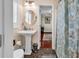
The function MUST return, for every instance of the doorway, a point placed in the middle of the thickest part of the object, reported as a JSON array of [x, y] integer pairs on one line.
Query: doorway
[[46, 26]]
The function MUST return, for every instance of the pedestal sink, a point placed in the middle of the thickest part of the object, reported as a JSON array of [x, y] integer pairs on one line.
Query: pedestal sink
[[28, 40]]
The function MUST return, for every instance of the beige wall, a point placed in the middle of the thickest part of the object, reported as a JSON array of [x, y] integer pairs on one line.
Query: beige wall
[[20, 13]]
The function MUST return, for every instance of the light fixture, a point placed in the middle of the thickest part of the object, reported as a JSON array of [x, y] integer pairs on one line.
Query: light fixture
[[26, 3], [33, 3], [29, 3]]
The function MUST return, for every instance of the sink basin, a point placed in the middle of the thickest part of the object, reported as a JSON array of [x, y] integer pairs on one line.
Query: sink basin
[[27, 32]]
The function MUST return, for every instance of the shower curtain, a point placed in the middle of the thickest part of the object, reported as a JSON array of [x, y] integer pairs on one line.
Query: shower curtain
[[67, 39]]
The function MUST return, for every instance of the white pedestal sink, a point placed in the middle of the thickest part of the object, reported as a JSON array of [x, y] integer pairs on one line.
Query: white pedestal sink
[[28, 40]]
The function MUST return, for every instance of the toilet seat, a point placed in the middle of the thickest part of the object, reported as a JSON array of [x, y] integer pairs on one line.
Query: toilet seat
[[19, 53]]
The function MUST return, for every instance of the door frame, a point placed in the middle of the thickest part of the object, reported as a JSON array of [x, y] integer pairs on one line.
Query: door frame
[[53, 23], [41, 20]]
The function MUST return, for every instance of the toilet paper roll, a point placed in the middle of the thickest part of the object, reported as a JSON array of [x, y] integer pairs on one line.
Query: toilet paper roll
[[18, 43]]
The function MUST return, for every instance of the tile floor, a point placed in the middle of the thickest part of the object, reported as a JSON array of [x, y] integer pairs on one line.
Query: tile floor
[[42, 53]]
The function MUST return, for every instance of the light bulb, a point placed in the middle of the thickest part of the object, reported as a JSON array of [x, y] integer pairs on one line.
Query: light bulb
[[33, 3], [26, 3]]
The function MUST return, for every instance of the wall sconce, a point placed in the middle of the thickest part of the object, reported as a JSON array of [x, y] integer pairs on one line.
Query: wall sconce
[[29, 3]]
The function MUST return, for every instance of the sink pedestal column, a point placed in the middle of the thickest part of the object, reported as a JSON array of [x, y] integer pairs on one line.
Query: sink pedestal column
[[28, 40], [28, 44]]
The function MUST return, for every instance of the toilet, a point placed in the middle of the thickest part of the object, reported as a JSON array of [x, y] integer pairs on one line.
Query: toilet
[[19, 53]]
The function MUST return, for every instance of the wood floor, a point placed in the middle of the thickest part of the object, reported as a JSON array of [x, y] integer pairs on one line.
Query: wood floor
[[46, 40], [46, 44]]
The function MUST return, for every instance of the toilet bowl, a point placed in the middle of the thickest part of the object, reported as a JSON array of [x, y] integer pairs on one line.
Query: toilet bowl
[[19, 53]]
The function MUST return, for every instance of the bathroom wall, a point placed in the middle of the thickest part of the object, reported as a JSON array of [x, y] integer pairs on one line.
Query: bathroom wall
[[8, 29], [19, 17], [21, 14], [1, 28], [6, 50], [15, 14], [19, 41]]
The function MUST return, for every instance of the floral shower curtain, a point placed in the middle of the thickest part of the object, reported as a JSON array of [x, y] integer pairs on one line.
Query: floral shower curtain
[[67, 42]]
